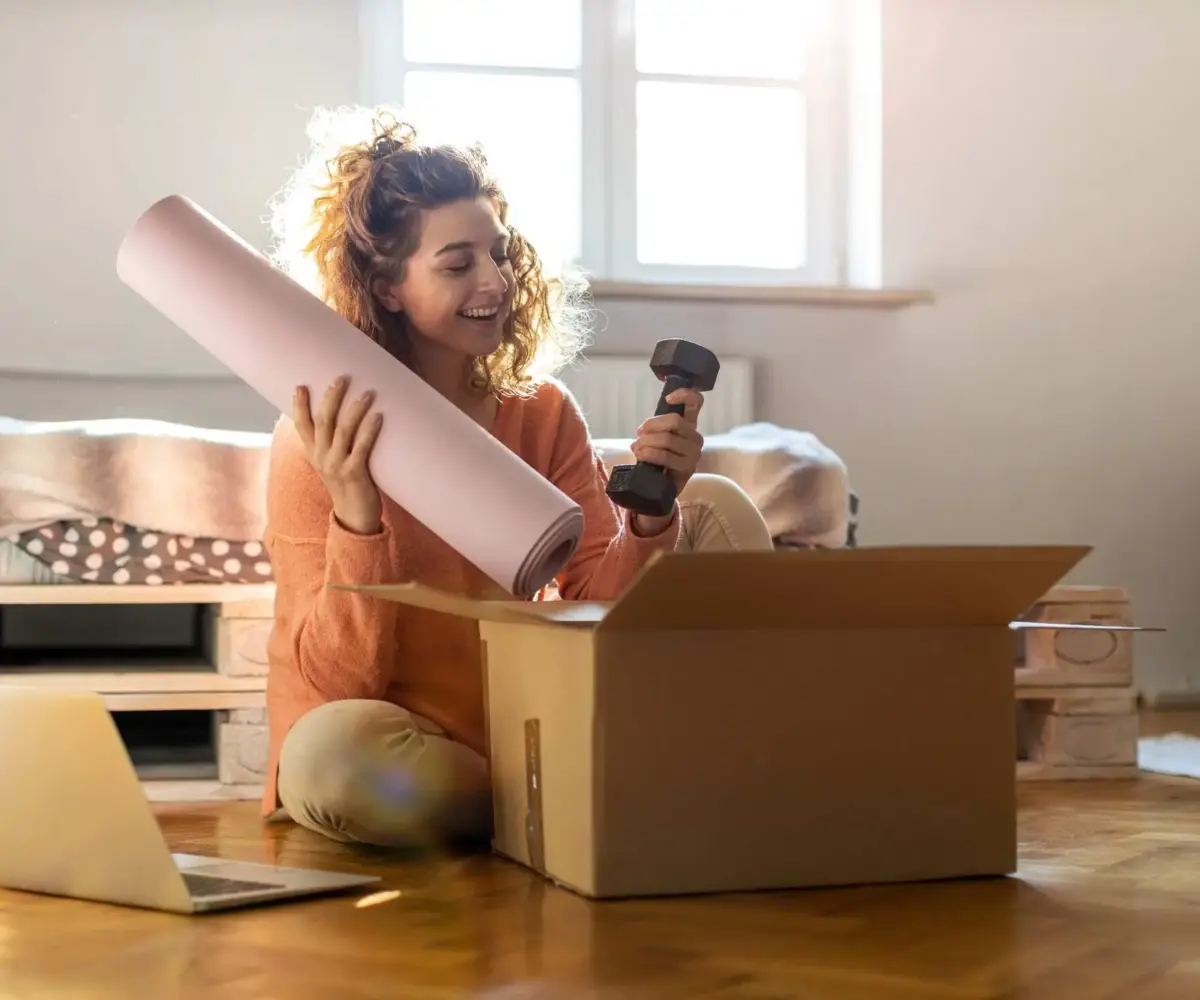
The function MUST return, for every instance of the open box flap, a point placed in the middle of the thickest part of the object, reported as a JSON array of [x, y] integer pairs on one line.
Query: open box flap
[[914, 586], [918, 586], [509, 610]]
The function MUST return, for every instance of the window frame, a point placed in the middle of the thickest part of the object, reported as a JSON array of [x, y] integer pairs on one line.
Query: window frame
[[607, 80]]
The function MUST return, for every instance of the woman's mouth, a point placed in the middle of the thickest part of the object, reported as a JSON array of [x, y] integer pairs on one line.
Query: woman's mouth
[[485, 314]]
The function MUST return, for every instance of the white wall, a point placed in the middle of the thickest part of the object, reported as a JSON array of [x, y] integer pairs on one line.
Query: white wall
[[109, 105], [1041, 172], [1040, 165]]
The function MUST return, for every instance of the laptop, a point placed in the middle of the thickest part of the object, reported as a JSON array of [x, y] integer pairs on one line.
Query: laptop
[[77, 822]]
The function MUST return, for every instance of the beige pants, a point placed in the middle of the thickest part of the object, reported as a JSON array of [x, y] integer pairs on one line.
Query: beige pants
[[370, 772]]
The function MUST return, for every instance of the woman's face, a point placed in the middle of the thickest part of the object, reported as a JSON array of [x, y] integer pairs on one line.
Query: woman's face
[[458, 284]]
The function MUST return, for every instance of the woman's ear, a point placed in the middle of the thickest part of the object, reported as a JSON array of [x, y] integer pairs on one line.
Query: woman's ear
[[386, 294]]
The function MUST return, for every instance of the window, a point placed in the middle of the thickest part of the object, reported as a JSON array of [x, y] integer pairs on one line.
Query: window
[[665, 141]]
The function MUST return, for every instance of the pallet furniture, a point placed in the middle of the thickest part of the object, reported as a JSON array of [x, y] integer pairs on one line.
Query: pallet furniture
[[182, 669], [1076, 702], [191, 698]]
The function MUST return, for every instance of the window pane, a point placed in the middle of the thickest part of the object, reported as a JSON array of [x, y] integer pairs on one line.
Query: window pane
[[535, 33], [749, 38], [720, 175], [529, 128]]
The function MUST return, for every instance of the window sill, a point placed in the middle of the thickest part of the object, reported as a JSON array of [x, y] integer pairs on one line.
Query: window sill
[[811, 295]]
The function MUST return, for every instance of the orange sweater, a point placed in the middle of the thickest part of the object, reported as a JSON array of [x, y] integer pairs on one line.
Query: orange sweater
[[328, 645]]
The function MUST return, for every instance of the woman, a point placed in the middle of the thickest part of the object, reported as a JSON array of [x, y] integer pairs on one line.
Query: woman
[[376, 709]]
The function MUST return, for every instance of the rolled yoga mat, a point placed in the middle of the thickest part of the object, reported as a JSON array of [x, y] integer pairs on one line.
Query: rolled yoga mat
[[433, 460]]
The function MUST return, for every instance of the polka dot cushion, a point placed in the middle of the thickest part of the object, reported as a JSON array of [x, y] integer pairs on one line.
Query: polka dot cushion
[[97, 550]]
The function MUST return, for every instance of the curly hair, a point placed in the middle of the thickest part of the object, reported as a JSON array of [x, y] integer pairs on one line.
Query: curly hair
[[351, 215]]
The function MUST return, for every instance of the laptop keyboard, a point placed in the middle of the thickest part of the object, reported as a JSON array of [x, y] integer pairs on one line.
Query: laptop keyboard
[[211, 885]]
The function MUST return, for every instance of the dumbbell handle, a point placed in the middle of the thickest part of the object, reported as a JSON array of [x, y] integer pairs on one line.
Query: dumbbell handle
[[670, 384]]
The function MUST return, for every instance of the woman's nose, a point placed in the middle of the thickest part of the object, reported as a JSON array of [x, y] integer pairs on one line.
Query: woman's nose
[[493, 278]]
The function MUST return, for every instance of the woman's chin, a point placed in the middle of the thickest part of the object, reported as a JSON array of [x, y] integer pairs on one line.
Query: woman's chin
[[485, 340]]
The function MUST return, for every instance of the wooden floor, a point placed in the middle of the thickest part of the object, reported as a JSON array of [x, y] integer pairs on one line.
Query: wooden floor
[[1106, 905]]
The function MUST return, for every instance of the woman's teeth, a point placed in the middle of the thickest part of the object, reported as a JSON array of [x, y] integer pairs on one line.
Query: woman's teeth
[[481, 313]]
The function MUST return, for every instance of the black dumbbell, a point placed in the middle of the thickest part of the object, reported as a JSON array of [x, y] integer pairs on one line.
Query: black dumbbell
[[649, 489]]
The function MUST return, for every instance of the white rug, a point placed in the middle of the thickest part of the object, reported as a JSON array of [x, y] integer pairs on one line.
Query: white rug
[[1174, 753]]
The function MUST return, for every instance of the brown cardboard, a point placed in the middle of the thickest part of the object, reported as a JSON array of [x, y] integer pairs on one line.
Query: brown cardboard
[[741, 721]]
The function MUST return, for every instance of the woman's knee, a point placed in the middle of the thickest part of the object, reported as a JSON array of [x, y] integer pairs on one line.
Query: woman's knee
[[715, 490], [719, 515], [364, 771], [331, 758]]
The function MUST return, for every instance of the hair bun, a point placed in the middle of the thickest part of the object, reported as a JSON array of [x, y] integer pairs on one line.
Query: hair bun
[[391, 136]]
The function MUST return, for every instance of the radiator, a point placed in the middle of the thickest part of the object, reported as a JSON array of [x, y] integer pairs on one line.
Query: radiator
[[616, 393]]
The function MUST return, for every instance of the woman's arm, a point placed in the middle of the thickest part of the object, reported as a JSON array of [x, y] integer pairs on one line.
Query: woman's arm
[[615, 545], [341, 644]]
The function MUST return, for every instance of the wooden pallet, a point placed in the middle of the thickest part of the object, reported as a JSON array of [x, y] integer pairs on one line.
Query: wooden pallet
[[1072, 734], [1076, 705], [226, 676], [1076, 702]]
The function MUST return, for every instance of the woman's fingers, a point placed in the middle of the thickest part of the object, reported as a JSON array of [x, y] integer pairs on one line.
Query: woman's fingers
[[667, 459], [672, 423], [672, 432], [672, 440], [677, 452], [691, 400], [364, 441], [348, 423], [327, 414], [677, 444], [302, 415], [338, 435]]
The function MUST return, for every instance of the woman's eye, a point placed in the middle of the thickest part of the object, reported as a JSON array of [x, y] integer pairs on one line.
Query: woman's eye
[[458, 268]]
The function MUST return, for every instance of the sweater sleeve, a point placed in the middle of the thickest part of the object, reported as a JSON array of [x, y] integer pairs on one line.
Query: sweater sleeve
[[341, 644], [610, 554]]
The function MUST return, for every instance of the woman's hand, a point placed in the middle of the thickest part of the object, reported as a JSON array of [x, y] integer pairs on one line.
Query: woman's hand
[[673, 442], [338, 443]]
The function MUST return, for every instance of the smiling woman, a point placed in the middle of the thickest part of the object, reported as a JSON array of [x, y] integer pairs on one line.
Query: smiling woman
[[375, 710]]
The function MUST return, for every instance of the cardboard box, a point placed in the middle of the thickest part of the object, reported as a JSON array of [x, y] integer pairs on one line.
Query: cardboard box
[[740, 721]]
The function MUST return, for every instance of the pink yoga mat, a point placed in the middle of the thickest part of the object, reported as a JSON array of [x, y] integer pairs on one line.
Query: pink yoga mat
[[431, 459]]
